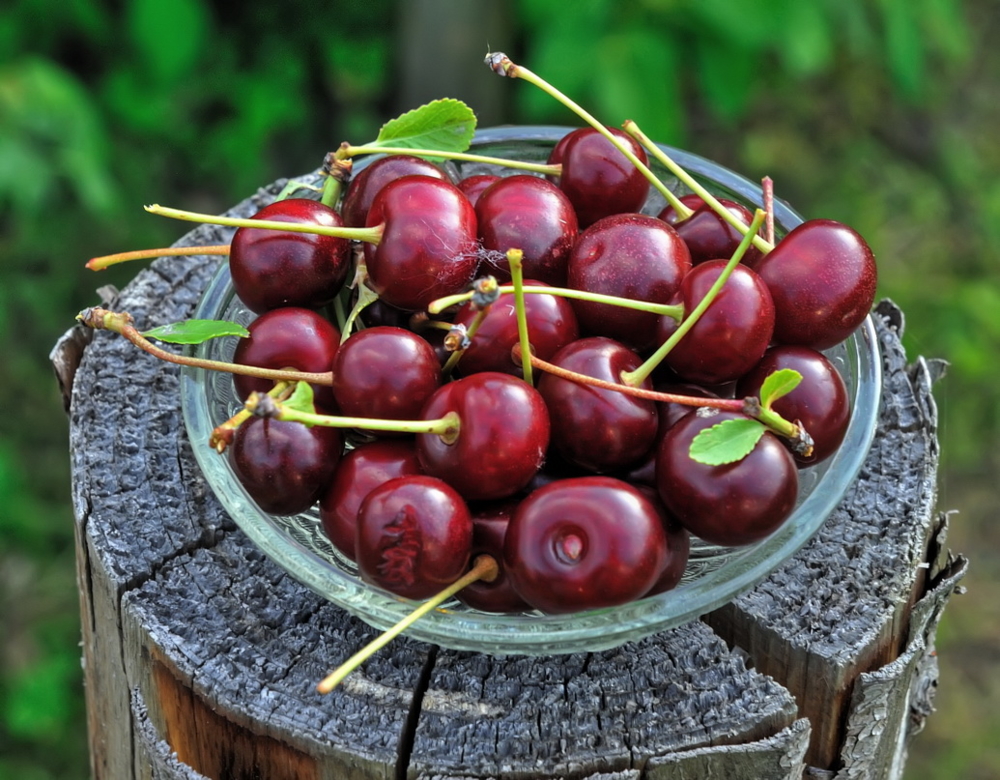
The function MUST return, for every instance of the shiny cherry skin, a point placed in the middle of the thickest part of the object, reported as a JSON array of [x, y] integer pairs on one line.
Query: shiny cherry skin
[[284, 466], [414, 536], [473, 186], [489, 529], [603, 431], [385, 373], [501, 443], [631, 256], [367, 183], [533, 215], [731, 335], [551, 326], [273, 268], [819, 403], [678, 546], [709, 236], [733, 504], [822, 277], [290, 337], [584, 543], [597, 178], [428, 247], [360, 471]]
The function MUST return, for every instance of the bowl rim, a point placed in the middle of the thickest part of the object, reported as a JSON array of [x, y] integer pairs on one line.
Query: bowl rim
[[583, 631]]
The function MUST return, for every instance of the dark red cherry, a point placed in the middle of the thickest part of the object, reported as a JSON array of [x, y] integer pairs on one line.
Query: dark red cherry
[[819, 402], [289, 337], [428, 248], [473, 186], [501, 443], [533, 215], [731, 335], [584, 543], [366, 185], [678, 552], [489, 529], [600, 430], [414, 536], [733, 504], [551, 326], [272, 268], [360, 471], [822, 277], [631, 256], [708, 235], [597, 178], [385, 373], [284, 466]]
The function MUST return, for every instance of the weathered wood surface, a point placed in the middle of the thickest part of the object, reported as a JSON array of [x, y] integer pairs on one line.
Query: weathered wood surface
[[201, 655]]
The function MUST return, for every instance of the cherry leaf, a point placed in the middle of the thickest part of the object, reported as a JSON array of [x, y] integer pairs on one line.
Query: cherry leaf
[[778, 384], [196, 331], [446, 125], [301, 399], [726, 442]]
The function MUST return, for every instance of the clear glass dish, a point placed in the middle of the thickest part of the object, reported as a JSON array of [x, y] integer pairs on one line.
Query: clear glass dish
[[715, 575]]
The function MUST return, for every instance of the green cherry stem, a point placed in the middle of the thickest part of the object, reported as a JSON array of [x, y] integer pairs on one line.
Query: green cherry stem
[[371, 235], [222, 435], [523, 165], [262, 405], [640, 374], [106, 261], [670, 310], [633, 130], [121, 323], [337, 172], [485, 568], [502, 65], [485, 291], [514, 260]]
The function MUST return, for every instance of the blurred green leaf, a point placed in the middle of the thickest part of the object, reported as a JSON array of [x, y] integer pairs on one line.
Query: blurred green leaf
[[169, 36]]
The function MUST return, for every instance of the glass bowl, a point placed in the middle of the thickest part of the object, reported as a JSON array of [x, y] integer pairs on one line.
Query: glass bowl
[[714, 576]]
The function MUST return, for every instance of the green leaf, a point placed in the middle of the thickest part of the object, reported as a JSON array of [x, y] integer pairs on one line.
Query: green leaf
[[196, 331], [170, 37], [301, 399], [447, 125], [726, 442], [778, 384]]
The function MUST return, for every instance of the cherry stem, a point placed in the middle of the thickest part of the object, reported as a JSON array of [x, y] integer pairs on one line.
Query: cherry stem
[[262, 405], [640, 374], [671, 310], [464, 339], [501, 64], [767, 185], [523, 165], [372, 235], [121, 323], [485, 568], [633, 130], [337, 172], [222, 435], [106, 261], [514, 260]]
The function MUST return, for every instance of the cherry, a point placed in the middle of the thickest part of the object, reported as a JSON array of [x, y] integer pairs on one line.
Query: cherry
[[551, 326], [489, 529], [678, 552], [385, 373], [359, 472], [428, 248], [733, 504], [473, 186], [709, 236], [284, 466], [414, 536], [533, 215], [271, 268], [600, 430], [819, 403], [584, 543], [630, 256], [596, 177], [366, 185], [502, 437], [731, 335], [822, 278], [289, 337]]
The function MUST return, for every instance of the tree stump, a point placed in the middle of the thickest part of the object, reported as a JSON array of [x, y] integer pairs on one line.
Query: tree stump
[[201, 656]]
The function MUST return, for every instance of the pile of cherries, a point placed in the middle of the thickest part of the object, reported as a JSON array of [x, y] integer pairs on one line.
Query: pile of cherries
[[584, 495]]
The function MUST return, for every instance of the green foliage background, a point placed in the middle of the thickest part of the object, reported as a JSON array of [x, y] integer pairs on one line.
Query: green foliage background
[[880, 113]]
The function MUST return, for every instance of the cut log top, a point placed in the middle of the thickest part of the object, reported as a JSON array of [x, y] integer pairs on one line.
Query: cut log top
[[202, 655]]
